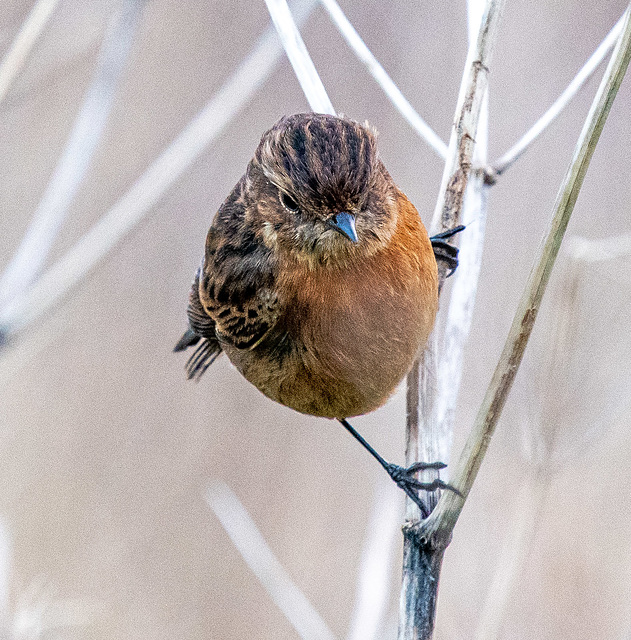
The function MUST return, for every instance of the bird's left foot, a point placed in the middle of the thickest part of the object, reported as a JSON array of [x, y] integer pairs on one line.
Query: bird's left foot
[[404, 478], [445, 251]]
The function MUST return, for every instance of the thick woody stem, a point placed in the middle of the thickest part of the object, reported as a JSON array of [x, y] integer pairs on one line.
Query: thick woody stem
[[422, 559]]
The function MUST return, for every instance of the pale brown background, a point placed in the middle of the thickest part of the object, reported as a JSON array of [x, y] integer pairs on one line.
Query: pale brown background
[[106, 449]]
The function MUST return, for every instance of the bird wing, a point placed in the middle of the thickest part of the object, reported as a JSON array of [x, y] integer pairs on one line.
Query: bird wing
[[237, 288], [232, 299]]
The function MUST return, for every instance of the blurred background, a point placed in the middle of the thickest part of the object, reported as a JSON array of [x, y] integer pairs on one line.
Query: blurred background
[[107, 451]]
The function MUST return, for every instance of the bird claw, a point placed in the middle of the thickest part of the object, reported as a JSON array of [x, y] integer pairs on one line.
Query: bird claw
[[404, 479], [445, 251]]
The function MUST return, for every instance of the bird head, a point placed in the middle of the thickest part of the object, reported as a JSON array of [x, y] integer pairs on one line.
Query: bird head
[[318, 191]]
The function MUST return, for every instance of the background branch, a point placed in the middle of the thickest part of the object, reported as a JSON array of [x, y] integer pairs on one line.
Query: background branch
[[586, 71], [24, 42], [422, 563], [355, 42], [299, 57], [260, 559], [72, 268], [75, 159]]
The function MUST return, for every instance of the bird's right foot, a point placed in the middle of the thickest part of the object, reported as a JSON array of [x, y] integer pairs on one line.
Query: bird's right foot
[[404, 478]]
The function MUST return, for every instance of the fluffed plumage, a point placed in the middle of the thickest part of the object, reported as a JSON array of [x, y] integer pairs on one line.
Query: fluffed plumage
[[319, 281]]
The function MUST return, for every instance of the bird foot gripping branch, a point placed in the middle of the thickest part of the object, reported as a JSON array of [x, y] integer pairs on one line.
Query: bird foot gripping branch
[[445, 251], [404, 476]]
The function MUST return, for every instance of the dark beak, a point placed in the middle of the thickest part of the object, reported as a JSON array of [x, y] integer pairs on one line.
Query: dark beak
[[344, 223]]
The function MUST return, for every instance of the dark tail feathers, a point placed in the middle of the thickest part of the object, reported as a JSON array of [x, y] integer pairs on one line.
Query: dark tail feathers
[[205, 354]]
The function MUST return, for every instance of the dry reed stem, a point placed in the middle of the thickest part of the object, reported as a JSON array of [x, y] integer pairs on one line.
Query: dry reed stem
[[422, 562]]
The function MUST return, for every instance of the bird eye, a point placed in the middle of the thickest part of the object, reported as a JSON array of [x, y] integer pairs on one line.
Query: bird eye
[[288, 202]]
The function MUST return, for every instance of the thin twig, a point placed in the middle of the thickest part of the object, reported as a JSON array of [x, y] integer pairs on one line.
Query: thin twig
[[113, 227], [74, 161], [23, 43], [472, 91], [263, 563], [438, 527], [375, 69], [507, 160], [465, 280], [299, 57]]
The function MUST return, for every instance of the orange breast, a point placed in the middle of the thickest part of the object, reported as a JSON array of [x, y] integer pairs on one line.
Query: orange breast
[[361, 327]]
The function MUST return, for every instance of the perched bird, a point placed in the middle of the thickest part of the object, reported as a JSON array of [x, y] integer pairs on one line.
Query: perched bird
[[319, 281]]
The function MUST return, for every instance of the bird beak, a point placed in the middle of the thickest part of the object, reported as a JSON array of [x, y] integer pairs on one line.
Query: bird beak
[[344, 223]]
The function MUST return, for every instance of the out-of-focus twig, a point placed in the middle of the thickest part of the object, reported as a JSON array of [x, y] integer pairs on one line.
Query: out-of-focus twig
[[513, 556], [375, 69], [90, 249], [373, 591], [74, 162], [438, 527], [600, 250], [263, 563], [299, 57], [587, 70], [39, 613], [23, 43]]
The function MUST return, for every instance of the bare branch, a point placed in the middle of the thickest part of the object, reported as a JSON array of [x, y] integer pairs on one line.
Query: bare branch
[[508, 159], [465, 285], [472, 90], [422, 562], [460, 314], [74, 161], [393, 92], [435, 437], [91, 248], [264, 565], [439, 525], [23, 43], [299, 57]]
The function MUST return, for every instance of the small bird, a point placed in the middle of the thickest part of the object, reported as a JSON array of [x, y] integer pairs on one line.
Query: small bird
[[319, 281]]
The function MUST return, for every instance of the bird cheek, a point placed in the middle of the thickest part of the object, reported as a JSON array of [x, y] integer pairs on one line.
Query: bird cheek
[[270, 237]]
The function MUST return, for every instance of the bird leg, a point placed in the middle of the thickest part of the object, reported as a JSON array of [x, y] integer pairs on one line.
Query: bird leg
[[404, 477], [445, 251]]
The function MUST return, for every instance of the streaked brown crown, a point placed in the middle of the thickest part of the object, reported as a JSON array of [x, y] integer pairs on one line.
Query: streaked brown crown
[[321, 160]]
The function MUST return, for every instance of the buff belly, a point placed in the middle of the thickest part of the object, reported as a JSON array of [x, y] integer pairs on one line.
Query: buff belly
[[331, 372]]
